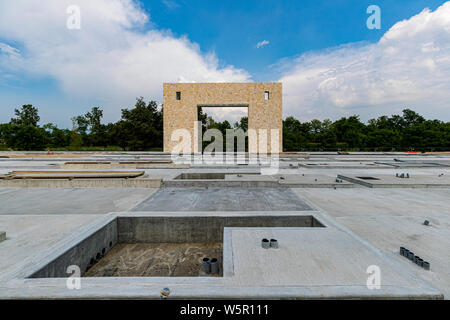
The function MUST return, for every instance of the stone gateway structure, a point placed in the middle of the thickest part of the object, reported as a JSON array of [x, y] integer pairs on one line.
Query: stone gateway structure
[[263, 100]]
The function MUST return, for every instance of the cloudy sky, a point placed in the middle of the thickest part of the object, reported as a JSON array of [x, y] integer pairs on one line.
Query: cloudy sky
[[331, 65]]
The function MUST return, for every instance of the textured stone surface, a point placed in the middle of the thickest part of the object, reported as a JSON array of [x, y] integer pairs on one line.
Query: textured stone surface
[[262, 113]]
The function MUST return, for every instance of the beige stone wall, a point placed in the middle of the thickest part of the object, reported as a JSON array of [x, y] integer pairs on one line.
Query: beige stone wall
[[262, 113]]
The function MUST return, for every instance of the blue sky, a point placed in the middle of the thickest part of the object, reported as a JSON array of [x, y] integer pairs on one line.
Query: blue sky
[[322, 51], [233, 28]]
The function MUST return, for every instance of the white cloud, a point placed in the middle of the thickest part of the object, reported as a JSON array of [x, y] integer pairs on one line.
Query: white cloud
[[408, 67], [231, 114], [170, 4], [7, 49], [111, 58], [262, 43]]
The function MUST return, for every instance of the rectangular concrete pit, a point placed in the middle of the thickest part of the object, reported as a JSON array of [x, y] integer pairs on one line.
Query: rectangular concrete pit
[[181, 233]]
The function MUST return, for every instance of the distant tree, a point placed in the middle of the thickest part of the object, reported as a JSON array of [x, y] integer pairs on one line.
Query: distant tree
[[203, 118], [27, 116], [412, 118], [350, 131], [140, 127], [57, 137], [76, 140], [242, 124]]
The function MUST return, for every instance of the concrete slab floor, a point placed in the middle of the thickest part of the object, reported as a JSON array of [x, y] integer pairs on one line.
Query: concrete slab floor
[[308, 257], [379, 202], [391, 218], [70, 201], [228, 199], [431, 243]]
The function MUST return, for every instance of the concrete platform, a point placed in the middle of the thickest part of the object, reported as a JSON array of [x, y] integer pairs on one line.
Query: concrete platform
[[391, 181], [81, 183], [391, 218], [228, 199], [431, 243], [122, 165], [344, 165], [411, 202], [288, 179], [414, 164], [33, 237], [69, 201]]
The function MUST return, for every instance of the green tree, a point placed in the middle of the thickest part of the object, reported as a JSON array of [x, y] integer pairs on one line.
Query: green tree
[[140, 127], [27, 116]]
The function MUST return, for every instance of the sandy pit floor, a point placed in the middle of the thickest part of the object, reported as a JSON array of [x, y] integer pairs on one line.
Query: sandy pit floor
[[156, 260]]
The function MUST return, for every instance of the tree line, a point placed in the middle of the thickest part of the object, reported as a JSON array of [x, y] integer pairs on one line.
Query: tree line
[[407, 132], [141, 128]]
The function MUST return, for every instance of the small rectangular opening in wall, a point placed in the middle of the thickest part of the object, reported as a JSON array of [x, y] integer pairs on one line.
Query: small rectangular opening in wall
[[178, 95], [267, 95]]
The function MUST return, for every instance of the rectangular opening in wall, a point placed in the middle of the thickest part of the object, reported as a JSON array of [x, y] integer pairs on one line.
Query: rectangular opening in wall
[[267, 95], [223, 117], [178, 95]]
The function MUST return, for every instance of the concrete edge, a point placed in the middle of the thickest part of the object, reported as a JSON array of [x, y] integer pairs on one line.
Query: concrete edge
[[227, 253], [149, 288]]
